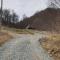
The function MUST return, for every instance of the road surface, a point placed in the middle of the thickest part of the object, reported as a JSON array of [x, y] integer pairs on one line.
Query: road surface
[[24, 47]]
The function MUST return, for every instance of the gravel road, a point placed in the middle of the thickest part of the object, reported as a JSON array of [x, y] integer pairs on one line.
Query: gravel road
[[24, 47]]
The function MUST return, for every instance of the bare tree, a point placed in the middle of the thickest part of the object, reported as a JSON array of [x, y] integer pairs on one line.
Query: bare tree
[[54, 3], [14, 17], [6, 14]]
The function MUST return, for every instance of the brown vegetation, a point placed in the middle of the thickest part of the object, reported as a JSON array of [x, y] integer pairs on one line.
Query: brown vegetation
[[46, 20], [4, 37], [52, 45]]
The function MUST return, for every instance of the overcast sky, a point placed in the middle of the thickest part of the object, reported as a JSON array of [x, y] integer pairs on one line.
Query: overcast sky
[[28, 7]]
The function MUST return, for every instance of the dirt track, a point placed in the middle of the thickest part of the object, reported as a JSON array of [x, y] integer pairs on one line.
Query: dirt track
[[24, 47]]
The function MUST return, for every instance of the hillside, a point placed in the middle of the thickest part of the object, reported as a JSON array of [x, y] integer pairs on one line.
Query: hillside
[[46, 20]]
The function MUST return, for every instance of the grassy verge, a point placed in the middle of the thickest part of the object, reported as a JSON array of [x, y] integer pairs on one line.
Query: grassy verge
[[19, 31], [7, 33], [4, 37], [52, 44], [24, 31]]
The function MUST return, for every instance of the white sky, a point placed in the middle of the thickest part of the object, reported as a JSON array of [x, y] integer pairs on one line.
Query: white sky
[[28, 7]]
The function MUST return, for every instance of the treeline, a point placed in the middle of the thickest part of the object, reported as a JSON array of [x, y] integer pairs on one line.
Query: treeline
[[11, 19], [46, 20]]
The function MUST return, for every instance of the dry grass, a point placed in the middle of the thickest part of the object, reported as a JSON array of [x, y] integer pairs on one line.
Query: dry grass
[[24, 31], [19, 31], [52, 44], [4, 37], [7, 33]]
